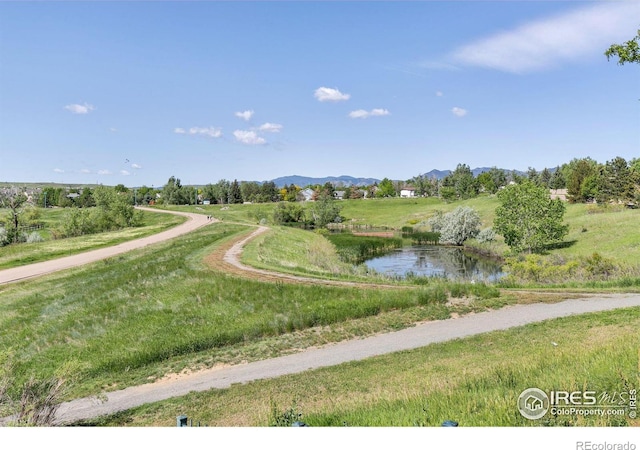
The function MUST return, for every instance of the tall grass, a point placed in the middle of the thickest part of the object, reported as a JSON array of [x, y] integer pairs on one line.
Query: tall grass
[[123, 317], [475, 381], [356, 249], [26, 253]]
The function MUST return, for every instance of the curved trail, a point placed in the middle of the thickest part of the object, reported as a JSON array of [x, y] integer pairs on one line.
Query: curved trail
[[333, 354], [227, 258], [42, 268]]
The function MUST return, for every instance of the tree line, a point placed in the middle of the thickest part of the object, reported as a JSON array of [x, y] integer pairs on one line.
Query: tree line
[[585, 180]]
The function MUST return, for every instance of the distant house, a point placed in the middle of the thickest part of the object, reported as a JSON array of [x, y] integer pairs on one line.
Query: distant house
[[307, 194], [558, 193], [339, 195], [408, 192]]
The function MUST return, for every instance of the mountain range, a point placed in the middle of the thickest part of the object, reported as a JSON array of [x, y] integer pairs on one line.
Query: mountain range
[[346, 180]]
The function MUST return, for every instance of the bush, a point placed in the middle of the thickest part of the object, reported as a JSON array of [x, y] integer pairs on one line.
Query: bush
[[34, 237], [459, 225], [485, 236]]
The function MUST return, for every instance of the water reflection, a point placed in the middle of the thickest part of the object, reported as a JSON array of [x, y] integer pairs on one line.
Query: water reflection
[[435, 261]]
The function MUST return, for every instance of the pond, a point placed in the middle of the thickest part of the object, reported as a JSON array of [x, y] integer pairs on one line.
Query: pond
[[436, 261]]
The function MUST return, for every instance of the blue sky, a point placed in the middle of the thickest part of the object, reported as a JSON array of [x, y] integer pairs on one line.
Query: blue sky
[[135, 92]]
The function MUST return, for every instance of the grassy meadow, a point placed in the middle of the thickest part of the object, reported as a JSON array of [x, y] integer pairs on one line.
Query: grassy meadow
[[21, 254], [612, 232], [475, 381], [137, 317]]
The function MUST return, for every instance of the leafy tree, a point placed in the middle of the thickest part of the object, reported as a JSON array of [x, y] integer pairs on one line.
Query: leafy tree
[[173, 192], [459, 225], [14, 201], [629, 52], [462, 181], [386, 188], [86, 199], [287, 212], [269, 192], [577, 171], [250, 191], [424, 186], [324, 211], [50, 195], [528, 219]]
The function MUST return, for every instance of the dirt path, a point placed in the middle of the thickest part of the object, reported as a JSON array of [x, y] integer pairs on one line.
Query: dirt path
[[333, 354], [35, 270], [226, 258]]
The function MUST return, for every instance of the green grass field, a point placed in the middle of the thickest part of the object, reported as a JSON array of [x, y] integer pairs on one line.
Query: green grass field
[[160, 309], [475, 381], [134, 318], [21, 254]]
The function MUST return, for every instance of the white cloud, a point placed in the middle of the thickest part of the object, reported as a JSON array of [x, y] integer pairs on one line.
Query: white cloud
[[439, 94], [113, 130], [125, 172], [543, 44], [76, 108], [104, 172], [363, 114], [270, 127], [325, 94], [200, 131], [249, 137], [209, 132], [245, 115], [136, 166], [56, 170], [85, 171], [459, 112]]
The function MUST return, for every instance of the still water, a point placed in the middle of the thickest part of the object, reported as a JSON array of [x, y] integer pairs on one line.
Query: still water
[[435, 261]]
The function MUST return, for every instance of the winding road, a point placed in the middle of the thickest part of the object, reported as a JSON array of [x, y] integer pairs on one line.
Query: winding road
[[333, 354]]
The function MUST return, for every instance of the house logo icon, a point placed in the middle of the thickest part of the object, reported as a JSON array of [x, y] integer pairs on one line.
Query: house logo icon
[[533, 403]]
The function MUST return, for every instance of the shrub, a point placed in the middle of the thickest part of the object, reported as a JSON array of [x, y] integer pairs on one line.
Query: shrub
[[34, 237], [459, 225], [486, 235]]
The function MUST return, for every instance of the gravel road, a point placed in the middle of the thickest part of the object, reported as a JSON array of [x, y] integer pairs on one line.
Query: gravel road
[[410, 338], [35, 270]]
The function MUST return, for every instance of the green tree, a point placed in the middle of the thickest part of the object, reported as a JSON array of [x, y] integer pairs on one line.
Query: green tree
[[557, 180], [288, 212], [235, 193], [386, 189], [577, 171], [617, 181], [629, 52], [462, 181], [14, 201], [545, 177], [528, 219], [173, 192], [324, 211]]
